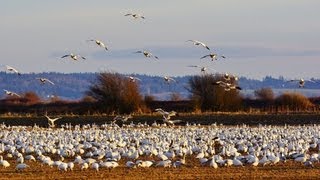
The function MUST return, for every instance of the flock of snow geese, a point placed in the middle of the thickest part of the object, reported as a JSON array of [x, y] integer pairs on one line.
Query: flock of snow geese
[[158, 145], [142, 146]]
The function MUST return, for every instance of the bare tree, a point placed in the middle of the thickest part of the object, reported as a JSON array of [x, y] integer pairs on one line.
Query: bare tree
[[207, 95], [265, 94], [116, 93]]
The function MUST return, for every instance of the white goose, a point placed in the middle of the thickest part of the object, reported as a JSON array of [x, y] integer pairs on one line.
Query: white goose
[[227, 86], [133, 79], [301, 82], [213, 56], [44, 80], [197, 43], [99, 43], [168, 79], [9, 68], [10, 93], [73, 56], [147, 54], [135, 15], [202, 68], [52, 120]]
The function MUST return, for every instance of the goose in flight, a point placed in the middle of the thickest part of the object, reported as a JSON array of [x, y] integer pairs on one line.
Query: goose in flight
[[51, 121], [168, 79], [202, 68], [99, 43], [44, 80], [133, 79], [10, 93], [227, 86], [171, 122], [74, 56], [213, 56], [167, 116], [198, 43], [147, 54], [9, 68], [135, 16], [123, 118], [228, 77], [301, 82]]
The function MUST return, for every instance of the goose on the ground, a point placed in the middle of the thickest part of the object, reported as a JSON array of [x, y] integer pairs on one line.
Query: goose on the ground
[[11, 69], [199, 43], [213, 56], [147, 54], [73, 56], [99, 43], [10, 93], [44, 80]]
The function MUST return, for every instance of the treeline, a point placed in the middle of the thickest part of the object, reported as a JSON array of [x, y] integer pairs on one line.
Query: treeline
[[73, 86], [113, 93]]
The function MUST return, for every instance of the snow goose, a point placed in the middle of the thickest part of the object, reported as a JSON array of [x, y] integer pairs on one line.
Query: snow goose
[[4, 163], [147, 54], [10, 93], [21, 167], [99, 43], [71, 165], [63, 166], [168, 79], [11, 69], [84, 166], [52, 120], [44, 80], [202, 68], [95, 166], [197, 43], [227, 86], [73, 56], [135, 15], [130, 164], [133, 79], [213, 56]]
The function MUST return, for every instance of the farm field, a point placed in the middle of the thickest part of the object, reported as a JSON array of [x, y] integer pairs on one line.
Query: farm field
[[279, 171], [218, 142]]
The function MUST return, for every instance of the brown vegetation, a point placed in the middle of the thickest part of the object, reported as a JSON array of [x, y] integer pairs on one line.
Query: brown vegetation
[[209, 97], [116, 93], [294, 101]]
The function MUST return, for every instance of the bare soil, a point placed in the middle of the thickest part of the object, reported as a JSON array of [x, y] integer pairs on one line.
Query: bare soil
[[289, 170]]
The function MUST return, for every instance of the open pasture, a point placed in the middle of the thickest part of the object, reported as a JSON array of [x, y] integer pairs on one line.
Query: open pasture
[[180, 152]]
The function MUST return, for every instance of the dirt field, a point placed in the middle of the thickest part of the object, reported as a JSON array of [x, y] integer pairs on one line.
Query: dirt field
[[192, 170], [289, 170]]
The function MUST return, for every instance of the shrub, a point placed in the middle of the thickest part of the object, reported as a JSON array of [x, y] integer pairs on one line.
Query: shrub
[[264, 94], [295, 101], [209, 97], [116, 93]]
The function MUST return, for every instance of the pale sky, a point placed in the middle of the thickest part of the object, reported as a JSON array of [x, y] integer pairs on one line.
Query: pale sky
[[259, 38]]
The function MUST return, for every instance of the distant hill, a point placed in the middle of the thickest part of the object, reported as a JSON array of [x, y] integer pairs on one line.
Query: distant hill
[[74, 85]]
